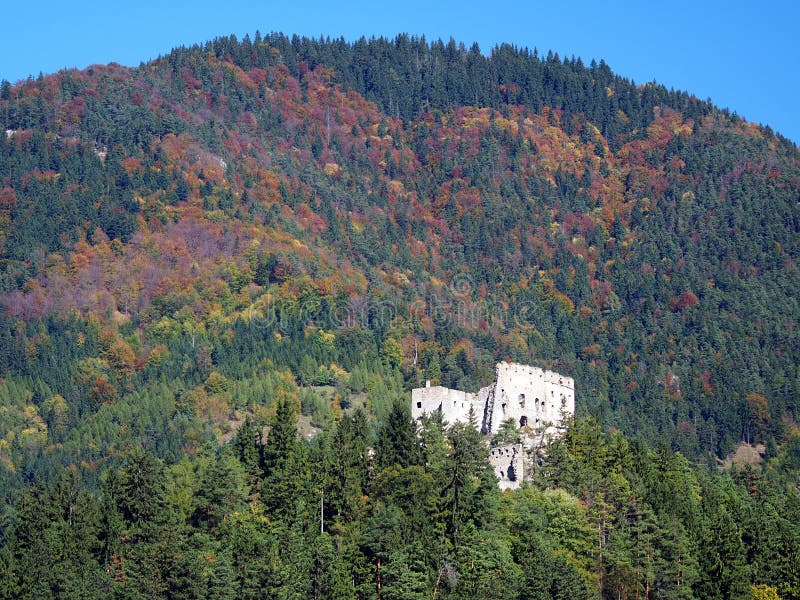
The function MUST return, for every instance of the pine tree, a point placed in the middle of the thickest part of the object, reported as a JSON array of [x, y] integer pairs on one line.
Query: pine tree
[[140, 493], [397, 443], [222, 490], [249, 449], [221, 583], [329, 578], [722, 557], [285, 463], [471, 486]]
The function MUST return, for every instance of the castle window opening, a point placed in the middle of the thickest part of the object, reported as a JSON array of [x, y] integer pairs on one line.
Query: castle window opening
[[503, 406], [523, 421], [419, 404]]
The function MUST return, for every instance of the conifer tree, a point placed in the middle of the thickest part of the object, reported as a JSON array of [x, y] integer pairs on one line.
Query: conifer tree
[[286, 476], [397, 443], [471, 486]]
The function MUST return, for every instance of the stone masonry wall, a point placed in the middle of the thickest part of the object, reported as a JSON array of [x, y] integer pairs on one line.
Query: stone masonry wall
[[508, 464], [537, 401], [532, 397], [453, 404]]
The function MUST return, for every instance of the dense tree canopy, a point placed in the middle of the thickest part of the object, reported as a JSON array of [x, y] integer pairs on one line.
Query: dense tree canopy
[[222, 271]]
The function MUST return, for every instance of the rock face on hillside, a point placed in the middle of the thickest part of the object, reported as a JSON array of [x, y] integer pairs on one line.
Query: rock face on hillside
[[536, 400]]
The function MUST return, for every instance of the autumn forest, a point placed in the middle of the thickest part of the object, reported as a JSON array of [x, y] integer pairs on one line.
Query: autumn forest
[[222, 271]]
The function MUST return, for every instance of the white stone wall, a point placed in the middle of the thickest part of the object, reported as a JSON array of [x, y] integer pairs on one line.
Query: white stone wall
[[454, 404], [531, 396], [508, 465], [536, 399]]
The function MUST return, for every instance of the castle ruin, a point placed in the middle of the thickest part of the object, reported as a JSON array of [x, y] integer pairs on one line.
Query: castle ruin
[[537, 401]]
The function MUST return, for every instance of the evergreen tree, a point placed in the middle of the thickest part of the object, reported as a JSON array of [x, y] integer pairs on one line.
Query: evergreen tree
[[139, 493], [249, 450], [221, 583], [222, 490], [722, 558], [286, 476], [397, 443], [471, 486], [329, 578]]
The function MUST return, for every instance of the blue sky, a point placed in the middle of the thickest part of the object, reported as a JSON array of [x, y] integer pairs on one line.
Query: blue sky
[[741, 54]]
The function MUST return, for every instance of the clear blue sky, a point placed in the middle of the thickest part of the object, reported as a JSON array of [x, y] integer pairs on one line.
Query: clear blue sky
[[743, 55]]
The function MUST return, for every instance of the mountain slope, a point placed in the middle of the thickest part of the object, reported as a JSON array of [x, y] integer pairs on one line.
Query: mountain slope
[[417, 204]]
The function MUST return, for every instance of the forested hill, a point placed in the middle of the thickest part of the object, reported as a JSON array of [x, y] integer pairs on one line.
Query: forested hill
[[408, 76], [404, 200], [291, 233]]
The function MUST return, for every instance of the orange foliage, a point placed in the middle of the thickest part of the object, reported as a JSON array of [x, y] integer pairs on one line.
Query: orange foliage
[[131, 165], [103, 391], [685, 300]]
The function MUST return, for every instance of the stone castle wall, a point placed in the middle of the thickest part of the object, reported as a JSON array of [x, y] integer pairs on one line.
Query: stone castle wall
[[536, 400], [532, 397], [453, 404], [508, 464]]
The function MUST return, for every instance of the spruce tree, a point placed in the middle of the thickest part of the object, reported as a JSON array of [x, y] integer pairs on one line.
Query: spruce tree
[[398, 443]]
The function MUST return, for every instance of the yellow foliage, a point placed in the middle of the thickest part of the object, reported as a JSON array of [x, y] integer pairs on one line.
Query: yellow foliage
[[166, 328], [120, 356], [326, 338], [338, 371], [396, 187], [213, 408], [216, 383], [764, 592], [157, 355], [7, 463], [332, 169]]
